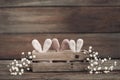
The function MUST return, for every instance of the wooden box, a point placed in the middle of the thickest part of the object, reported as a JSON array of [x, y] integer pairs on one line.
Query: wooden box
[[58, 61]]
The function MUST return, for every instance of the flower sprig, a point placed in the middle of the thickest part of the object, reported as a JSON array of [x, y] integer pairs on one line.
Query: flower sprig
[[97, 64], [17, 67]]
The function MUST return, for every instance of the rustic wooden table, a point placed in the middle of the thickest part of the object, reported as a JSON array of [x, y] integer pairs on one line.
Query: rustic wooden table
[[5, 75]]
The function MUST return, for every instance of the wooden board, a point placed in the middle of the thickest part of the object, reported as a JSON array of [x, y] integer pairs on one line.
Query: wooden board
[[52, 55], [71, 66], [66, 55], [46, 67], [21, 3], [53, 75], [11, 45], [59, 67], [59, 19]]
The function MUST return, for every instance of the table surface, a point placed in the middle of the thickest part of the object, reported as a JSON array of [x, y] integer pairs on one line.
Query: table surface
[[5, 75]]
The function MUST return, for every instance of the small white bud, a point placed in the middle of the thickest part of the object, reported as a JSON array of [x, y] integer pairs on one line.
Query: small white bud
[[84, 52], [13, 68], [109, 58], [22, 70], [88, 59], [99, 68], [28, 69], [34, 56], [16, 68], [105, 68], [105, 59], [28, 62], [12, 63], [102, 61], [29, 53], [88, 67], [22, 53], [30, 57], [20, 65], [10, 70], [91, 72], [15, 60], [94, 69], [15, 73], [95, 63], [91, 60], [90, 50], [24, 63], [91, 55], [96, 53], [96, 72], [90, 47], [23, 59], [91, 65], [106, 71], [115, 63], [96, 58], [20, 73]]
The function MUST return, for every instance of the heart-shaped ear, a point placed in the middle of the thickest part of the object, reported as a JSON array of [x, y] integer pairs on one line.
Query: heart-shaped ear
[[72, 45], [79, 45], [55, 44], [47, 45], [65, 44], [36, 45]]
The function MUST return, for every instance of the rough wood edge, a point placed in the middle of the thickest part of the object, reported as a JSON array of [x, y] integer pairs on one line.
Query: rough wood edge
[[32, 3]]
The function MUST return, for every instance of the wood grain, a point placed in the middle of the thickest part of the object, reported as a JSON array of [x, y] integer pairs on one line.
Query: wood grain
[[11, 45], [54, 75], [47, 67], [66, 55], [59, 19], [24, 3]]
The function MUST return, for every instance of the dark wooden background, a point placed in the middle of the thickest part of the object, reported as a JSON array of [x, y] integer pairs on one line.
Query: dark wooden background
[[96, 21]]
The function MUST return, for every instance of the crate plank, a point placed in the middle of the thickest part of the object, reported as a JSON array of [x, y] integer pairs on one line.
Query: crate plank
[[59, 20], [21, 3], [47, 67], [66, 55], [11, 45]]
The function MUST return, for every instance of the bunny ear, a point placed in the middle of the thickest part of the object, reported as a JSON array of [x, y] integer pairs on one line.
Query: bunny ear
[[79, 44], [36, 45], [72, 45], [65, 44], [55, 44], [47, 45]]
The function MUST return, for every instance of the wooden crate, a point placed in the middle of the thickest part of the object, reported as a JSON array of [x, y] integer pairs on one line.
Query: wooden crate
[[58, 61]]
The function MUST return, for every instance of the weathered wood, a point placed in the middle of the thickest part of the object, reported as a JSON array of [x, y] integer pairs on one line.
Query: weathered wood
[[46, 67], [59, 67], [11, 45], [66, 55], [57, 61], [52, 55], [59, 19], [5, 75], [21, 3]]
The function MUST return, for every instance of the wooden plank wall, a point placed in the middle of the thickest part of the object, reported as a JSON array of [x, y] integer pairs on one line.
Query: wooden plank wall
[[96, 21]]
